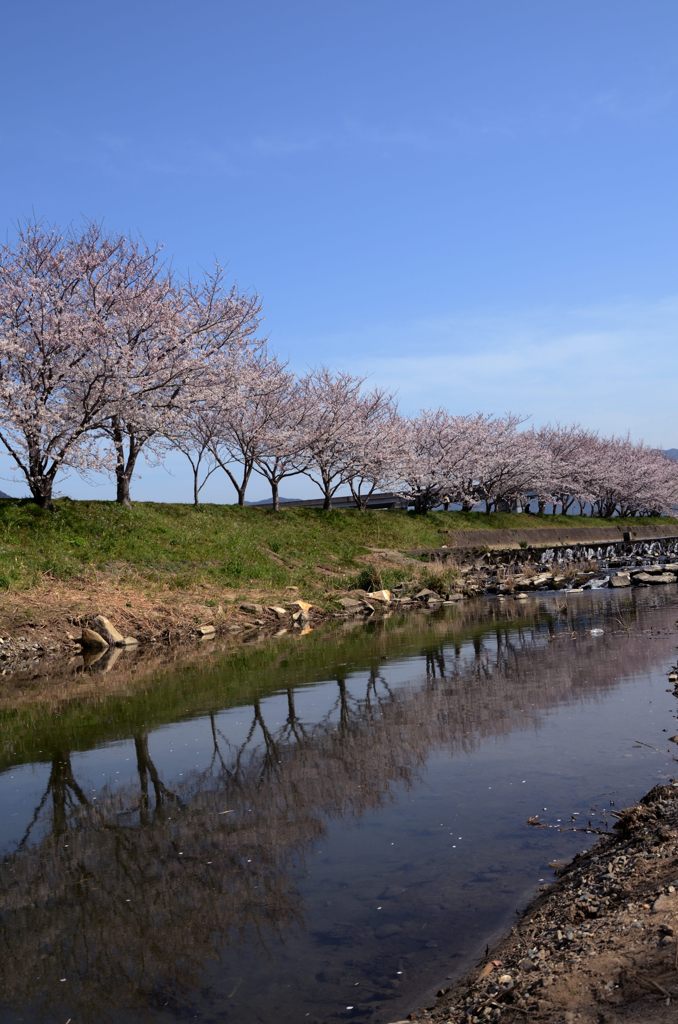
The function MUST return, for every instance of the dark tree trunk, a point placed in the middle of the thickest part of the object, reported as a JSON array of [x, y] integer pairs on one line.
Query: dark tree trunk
[[63, 788], [124, 464], [122, 489], [239, 486], [41, 483], [41, 492]]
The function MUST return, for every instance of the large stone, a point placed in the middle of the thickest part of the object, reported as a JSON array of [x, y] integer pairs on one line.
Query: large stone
[[428, 597], [206, 629], [652, 579], [382, 596], [540, 580], [92, 641], [620, 579], [664, 904], [279, 611], [350, 604], [303, 606], [657, 570], [111, 635]]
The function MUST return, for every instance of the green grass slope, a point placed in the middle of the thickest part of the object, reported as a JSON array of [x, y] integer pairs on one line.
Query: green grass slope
[[223, 545]]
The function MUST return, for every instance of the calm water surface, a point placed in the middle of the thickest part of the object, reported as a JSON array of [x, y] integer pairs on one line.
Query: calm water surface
[[326, 829]]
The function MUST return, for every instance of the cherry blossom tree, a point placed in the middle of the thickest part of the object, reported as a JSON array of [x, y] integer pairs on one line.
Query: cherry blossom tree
[[378, 447], [97, 342], [423, 470], [281, 450], [57, 299], [174, 341], [104, 353], [245, 414], [193, 435], [632, 479], [338, 423], [573, 452], [516, 466], [446, 456]]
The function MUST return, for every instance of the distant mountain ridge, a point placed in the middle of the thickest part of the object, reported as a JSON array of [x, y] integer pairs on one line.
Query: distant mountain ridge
[[3, 495], [672, 453]]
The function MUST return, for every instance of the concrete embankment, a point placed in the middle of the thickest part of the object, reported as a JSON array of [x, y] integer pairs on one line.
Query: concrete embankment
[[541, 537]]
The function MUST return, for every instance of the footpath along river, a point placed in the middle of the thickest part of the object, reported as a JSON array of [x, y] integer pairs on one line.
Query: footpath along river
[[327, 829]]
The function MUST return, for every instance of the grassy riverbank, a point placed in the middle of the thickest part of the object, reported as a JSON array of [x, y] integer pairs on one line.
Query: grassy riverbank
[[180, 547], [158, 571]]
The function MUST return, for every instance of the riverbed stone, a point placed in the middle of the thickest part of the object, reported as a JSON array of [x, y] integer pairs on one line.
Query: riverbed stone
[[540, 581], [92, 641], [206, 629], [278, 610], [107, 630], [652, 579], [351, 604], [663, 904], [382, 596], [620, 579]]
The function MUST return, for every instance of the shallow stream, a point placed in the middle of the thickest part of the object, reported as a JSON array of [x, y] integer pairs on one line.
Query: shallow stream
[[323, 829]]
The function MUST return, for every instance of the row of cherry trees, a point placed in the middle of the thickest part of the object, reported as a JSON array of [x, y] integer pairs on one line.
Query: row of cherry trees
[[105, 353]]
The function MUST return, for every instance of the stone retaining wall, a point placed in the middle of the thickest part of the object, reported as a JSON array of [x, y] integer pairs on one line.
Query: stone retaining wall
[[553, 536]]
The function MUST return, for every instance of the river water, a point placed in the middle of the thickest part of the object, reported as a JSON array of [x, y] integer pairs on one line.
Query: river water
[[321, 829]]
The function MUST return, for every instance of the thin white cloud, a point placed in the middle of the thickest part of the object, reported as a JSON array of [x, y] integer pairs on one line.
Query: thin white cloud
[[612, 368], [184, 155]]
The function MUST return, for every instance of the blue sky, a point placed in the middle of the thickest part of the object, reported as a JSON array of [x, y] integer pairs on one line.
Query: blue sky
[[472, 202]]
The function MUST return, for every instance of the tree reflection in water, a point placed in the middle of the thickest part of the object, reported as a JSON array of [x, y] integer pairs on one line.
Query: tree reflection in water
[[130, 893]]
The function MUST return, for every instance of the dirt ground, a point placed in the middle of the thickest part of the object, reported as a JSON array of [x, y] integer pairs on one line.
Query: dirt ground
[[42, 625], [599, 947]]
